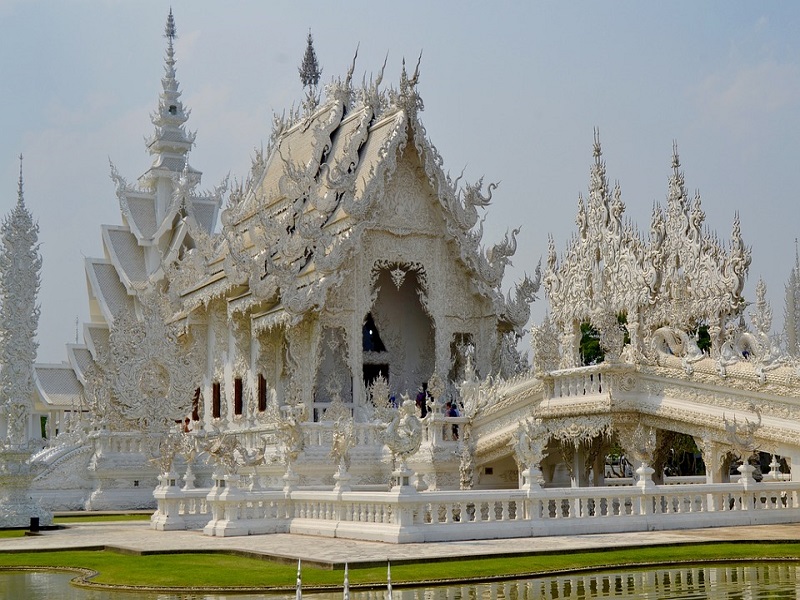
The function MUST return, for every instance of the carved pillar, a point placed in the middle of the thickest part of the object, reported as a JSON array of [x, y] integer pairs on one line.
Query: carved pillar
[[793, 460], [715, 332], [579, 467], [570, 345], [716, 457]]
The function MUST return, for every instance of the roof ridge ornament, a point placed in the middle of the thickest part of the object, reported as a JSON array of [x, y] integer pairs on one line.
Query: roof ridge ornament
[[408, 98], [310, 72]]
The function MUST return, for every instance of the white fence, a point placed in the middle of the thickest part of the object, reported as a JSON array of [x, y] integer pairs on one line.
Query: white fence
[[405, 515]]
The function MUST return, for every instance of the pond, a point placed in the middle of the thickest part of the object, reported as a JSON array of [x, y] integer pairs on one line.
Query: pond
[[751, 581]]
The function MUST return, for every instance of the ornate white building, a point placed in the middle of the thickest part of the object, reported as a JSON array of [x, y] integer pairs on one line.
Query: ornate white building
[[288, 346]]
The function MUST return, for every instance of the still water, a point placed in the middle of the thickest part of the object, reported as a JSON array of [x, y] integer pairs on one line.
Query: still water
[[733, 582]]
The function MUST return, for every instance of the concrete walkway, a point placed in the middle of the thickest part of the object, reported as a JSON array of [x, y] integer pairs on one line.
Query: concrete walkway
[[138, 537]]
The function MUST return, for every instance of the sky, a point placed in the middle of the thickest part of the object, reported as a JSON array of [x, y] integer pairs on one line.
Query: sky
[[512, 92]]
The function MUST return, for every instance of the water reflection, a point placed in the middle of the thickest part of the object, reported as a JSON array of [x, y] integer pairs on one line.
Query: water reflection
[[732, 582]]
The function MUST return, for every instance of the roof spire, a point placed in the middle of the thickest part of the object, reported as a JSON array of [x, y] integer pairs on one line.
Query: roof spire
[[20, 198], [309, 69], [169, 31], [170, 141], [676, 161], [597, 151]]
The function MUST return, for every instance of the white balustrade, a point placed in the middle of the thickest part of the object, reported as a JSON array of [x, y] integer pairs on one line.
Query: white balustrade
[[409, 516], [584, 381]]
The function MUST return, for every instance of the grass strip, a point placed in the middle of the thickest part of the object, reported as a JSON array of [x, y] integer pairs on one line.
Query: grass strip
[[215, 570], [99, 518], [12, 533]]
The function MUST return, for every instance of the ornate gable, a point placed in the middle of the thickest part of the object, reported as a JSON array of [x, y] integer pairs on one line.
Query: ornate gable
[[341, 168]]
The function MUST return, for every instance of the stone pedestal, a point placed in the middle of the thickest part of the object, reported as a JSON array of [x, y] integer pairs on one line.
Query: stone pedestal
[[168, 496], [531, 478], [645, 477], [342, 479], [402, 478], [225, 500], [290, 479], [188, 477], [17, 507], [746, 472]]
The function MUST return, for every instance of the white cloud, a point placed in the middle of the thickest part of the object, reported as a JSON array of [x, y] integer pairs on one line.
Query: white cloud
[[744, 99]]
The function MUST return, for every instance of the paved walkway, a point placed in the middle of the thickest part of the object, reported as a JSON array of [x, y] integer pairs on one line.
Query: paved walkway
[[137, 536]]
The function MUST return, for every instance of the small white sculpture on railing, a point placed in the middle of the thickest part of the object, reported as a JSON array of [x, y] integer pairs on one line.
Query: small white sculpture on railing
[[162, 454], [742, 438], [403, 436], [290, 436], [529, 442], [190, 449], [343, 439]]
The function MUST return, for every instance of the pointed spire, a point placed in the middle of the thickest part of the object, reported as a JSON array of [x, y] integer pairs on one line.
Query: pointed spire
[[597, 151], [676, 160], [169, 31], [309, 69], [20, 197], [310, 72], [170, 141], [352, 68]]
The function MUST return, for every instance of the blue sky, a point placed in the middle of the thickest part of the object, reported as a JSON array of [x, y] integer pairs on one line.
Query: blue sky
[[512, 91]]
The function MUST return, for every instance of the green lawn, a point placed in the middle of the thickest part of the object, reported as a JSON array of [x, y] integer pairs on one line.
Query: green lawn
[[221, 570], [11, 533], [87, 517]]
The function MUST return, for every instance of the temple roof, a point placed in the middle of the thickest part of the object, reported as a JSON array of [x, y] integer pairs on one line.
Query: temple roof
[[311, 196], [57, 384], [126, 255], [80, 359], [107, 289]]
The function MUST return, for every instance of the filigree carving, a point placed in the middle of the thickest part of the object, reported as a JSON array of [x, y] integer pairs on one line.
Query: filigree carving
[[20, 265], [403, 435], [529, 442], [680, 277], [146, 377], [742, 437], [343, 440]]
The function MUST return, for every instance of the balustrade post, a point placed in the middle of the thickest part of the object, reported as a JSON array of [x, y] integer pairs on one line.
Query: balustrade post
[[168, 499]]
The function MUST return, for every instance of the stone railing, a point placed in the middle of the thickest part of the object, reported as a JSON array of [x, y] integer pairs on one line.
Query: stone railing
[[321, 434], [122, 442], [404, 515], [583, 381], [595, 380], [180, 508], [438, 430]]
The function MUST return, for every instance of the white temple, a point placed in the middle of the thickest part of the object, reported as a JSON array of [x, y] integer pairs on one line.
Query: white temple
[[338, 356]]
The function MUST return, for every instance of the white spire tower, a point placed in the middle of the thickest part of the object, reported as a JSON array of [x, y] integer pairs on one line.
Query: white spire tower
[[170, 142], [20, 264]]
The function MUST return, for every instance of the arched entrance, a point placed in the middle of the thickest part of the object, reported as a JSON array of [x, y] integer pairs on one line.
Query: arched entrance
[[398, 337]]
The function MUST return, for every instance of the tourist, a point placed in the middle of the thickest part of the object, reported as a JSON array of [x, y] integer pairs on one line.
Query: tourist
[[450, 410], [422, 404]]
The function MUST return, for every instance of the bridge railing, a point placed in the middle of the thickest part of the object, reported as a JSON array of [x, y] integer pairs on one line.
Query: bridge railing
[[410, 516]]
